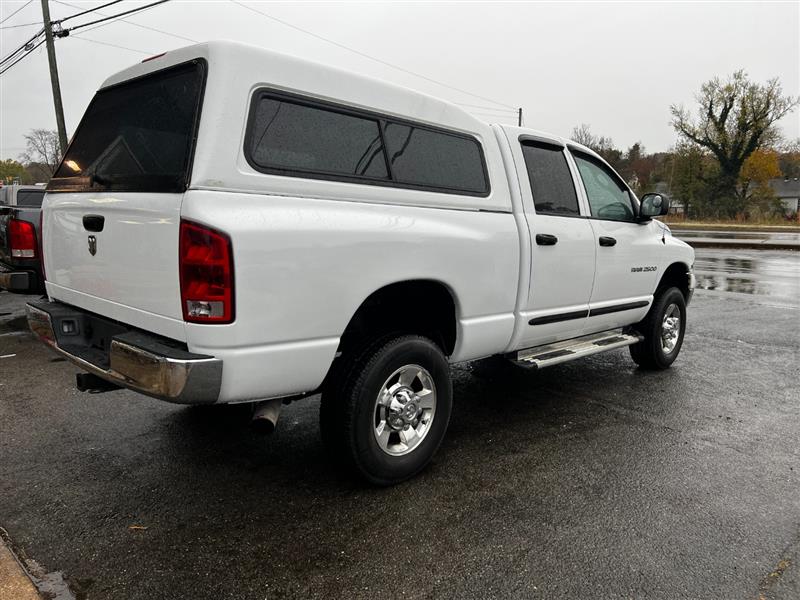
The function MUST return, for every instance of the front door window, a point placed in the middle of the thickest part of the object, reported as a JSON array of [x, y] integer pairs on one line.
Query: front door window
[[609, 199]]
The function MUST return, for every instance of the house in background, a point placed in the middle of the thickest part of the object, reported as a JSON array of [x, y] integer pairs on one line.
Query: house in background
[[787, 190]]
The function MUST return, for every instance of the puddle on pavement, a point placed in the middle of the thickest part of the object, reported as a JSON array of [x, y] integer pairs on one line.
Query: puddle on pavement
[[774, 236], [774, 274], [50, 585]]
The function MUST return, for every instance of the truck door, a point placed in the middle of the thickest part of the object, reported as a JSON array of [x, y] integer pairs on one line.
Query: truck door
[[562, 243], [626, 267]]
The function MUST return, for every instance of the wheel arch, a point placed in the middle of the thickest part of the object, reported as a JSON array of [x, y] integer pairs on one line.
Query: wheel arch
[[423, 306], [676, 275]]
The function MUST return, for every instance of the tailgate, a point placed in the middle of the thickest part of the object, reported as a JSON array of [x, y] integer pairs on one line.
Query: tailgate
[[121, 248]]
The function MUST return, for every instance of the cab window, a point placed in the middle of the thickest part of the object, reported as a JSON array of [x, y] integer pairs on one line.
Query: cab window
[[609, 199]]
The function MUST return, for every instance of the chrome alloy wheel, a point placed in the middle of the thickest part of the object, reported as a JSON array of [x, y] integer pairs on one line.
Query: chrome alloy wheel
[[670, 328], [404, 410]]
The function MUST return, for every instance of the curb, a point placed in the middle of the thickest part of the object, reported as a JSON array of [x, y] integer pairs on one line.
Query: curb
[[22, 578], [15, 583]]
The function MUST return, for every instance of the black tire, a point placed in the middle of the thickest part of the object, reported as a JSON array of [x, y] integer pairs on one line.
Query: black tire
[[348, 409], [650, 353]]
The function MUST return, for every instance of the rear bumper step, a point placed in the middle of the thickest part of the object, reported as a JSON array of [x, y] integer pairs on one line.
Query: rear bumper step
[[20, 282], [553, 354], [133, 359]]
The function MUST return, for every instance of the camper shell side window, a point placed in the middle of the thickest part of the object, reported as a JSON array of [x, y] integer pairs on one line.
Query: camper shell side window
[[295, 136]]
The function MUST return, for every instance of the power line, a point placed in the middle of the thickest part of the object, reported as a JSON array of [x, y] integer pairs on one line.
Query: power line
[[127, 12], [127, 22], [365, 55], [491, 108], [80, 36], [88, 10], [20, 53], [488, 115], [58, 20], [21, 25], [12, 55], [20, 58], [15, 12], [21, 48], [23, 57]]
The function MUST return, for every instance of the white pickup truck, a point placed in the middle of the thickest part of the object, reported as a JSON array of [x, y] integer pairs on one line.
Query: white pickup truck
[[234, 225]]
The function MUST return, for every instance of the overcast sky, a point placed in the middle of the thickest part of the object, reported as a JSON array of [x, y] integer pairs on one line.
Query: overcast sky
[[615, 66]]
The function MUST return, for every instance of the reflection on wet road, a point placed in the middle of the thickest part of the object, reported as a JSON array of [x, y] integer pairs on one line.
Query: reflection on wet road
[[775, 274], [775, 236]]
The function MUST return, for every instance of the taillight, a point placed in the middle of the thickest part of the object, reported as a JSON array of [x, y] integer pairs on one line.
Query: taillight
[[22, 238], [206, 268]]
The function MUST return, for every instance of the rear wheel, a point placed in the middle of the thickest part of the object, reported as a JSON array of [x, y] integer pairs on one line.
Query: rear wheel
[[386, 413], [663, 330]]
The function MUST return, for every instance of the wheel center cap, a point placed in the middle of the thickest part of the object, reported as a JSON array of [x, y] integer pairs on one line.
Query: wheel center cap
[[404, 409]]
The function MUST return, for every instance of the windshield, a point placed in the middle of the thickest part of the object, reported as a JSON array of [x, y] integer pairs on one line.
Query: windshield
[[136, 136]]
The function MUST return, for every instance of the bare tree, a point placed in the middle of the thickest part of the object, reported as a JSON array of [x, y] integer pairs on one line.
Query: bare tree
[[42, 148], [735, 117], [601, 144], [583, 135]]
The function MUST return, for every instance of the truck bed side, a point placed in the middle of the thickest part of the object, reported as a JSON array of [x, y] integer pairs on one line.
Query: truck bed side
[[304, 267]]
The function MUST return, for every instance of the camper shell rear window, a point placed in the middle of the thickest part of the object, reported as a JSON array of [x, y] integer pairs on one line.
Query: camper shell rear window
[[295, 136], [138, 135]]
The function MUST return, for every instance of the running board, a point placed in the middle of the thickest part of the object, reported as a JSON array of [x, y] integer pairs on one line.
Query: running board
[[560, 352]]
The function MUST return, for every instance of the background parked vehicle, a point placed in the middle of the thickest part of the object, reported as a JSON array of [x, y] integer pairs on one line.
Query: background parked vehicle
[[20, 241]]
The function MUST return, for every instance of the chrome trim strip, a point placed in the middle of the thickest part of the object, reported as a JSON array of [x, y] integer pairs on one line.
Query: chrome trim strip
[[179, 381]]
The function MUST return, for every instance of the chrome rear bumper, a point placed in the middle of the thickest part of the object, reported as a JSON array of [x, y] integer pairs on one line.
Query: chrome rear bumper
[[134, 360]]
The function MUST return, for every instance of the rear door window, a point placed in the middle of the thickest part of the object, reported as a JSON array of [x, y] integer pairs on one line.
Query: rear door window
[[137, 136], [550, 179]]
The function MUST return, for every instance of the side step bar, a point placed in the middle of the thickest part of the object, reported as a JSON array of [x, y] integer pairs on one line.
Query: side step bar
[[560, 352]]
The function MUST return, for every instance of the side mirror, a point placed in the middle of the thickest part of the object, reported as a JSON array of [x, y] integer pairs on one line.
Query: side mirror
[[653, 205]]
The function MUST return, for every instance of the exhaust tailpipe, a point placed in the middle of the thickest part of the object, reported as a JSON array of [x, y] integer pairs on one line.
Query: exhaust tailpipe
[[89, 382], [265, 416]]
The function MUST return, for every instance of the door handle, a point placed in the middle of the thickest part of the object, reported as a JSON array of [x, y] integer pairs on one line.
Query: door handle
[[94, 223], [545, 239], [607, 241]]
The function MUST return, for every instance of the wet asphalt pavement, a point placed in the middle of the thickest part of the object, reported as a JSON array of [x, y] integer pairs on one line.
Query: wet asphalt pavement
[[586, 480]]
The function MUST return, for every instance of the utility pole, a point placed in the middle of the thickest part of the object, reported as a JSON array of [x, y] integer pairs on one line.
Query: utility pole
[[519, 120], [51, 57]]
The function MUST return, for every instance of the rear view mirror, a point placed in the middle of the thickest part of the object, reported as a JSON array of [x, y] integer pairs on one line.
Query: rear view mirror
[[653, 205]]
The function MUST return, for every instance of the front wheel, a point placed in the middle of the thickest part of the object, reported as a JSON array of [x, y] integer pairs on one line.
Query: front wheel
[[386, 414], [663, 330]]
